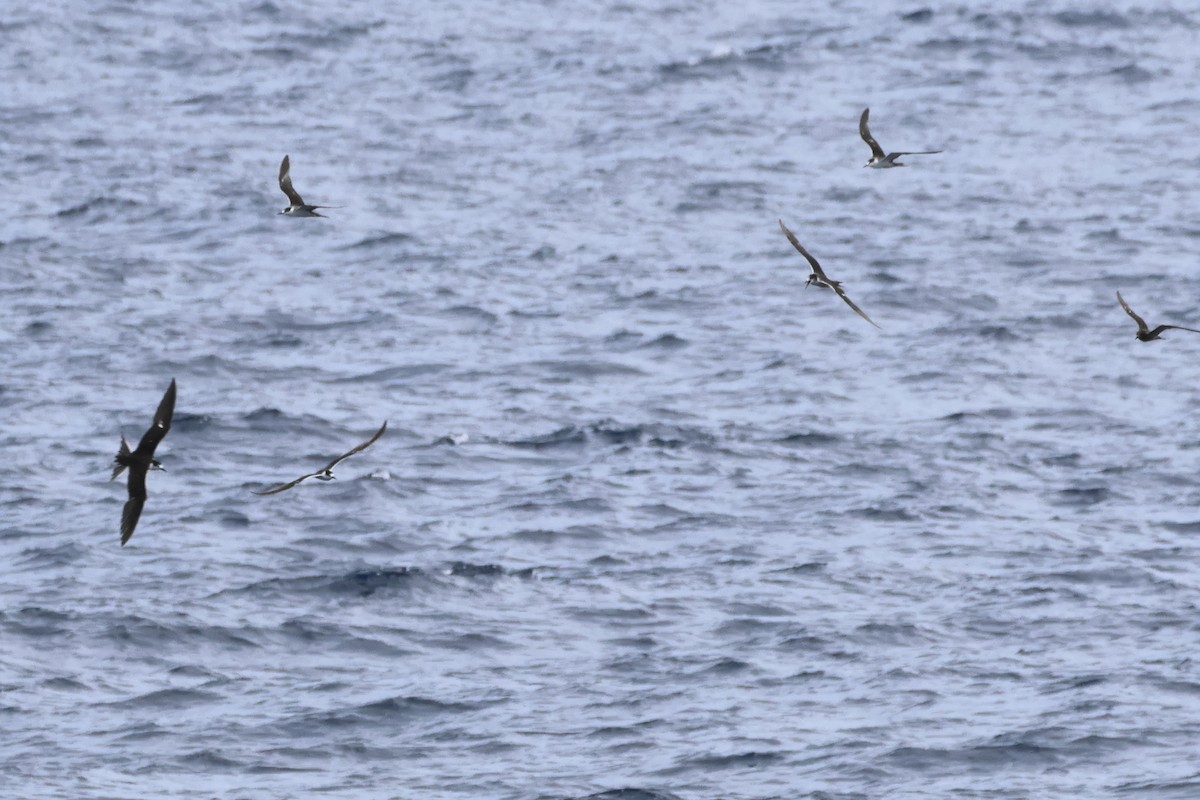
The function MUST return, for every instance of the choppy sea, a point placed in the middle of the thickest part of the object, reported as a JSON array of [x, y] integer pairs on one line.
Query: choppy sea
[[651, 520]]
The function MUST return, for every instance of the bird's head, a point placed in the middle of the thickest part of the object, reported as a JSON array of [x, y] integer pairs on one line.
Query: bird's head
[[155, 465]]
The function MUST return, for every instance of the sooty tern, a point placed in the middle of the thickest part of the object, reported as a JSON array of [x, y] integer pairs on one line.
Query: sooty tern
[[298, 207], [326, 473], [1144, 333], [141, 461], [819, 277], [880, 160]]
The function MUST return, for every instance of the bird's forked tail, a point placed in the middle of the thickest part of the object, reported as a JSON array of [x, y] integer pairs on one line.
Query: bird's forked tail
[[119, 461]]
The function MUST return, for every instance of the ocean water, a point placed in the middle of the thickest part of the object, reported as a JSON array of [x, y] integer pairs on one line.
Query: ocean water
[[651, 520]]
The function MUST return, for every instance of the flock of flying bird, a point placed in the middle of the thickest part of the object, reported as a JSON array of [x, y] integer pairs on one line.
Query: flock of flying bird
[[141, 461]]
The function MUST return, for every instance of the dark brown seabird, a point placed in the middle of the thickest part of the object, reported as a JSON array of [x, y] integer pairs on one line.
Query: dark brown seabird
[[1144, 333], [879, 159], [819, 277], [298, 207], [326, 473], [141, 461]]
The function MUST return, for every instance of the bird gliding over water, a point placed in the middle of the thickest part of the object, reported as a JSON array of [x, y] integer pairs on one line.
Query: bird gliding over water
[[141, 461], [326, 473], [819, 277], [880, 160], [1144, 333], [298, 208]]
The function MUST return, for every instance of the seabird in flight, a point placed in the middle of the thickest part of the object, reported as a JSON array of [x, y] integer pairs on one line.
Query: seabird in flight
[[141, 461], [298, 207], [819, 277], [326, 473], [1144, 333], [880, 160]]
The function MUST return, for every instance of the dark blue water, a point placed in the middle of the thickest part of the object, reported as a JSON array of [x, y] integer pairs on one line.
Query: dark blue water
[[651, 520]]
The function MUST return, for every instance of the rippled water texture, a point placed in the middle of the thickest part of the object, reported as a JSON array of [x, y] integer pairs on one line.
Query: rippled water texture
[[651, 520]]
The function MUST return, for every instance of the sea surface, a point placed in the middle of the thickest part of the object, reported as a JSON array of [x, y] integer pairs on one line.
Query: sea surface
[[651, 520]]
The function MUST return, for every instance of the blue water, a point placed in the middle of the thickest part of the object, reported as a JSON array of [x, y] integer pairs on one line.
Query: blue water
[[651, 520]]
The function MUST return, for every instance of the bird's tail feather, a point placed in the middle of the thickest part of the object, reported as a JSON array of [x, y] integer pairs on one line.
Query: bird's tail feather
[[118, 462]]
